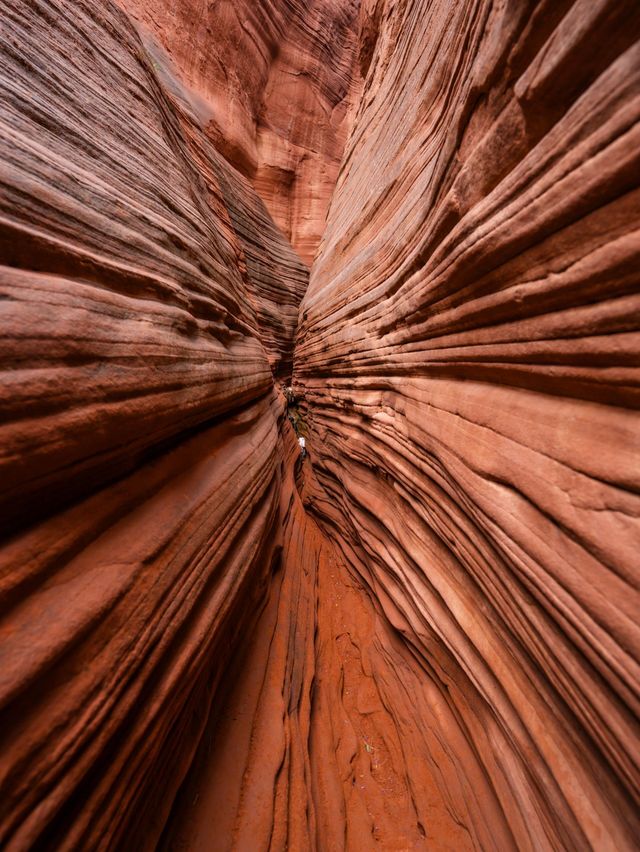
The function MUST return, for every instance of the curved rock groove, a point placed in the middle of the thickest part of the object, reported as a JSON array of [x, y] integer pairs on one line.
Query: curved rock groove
[[405, 231]]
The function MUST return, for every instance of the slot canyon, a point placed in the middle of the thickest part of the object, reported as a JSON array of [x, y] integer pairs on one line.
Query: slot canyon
[[319, 447]]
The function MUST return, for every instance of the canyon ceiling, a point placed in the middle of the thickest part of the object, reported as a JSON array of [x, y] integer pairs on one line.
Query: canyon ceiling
[[406, 231]]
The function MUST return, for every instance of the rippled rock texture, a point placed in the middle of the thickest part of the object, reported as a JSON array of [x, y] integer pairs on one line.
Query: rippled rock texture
[[274, 83], [423, 634], [468, 355], [148, 302]]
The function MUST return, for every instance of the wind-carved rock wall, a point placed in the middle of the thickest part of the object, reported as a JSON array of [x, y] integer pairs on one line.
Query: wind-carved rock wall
[[148, 301], [274, 82], [468, 358], [423, 634]]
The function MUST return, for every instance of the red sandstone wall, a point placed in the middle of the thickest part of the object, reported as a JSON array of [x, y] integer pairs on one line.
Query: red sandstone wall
[[146, 298], [274, 82], [468, 357], [444, 593]]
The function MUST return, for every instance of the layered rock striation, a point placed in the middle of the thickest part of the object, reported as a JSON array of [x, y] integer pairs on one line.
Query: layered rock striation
[[467, 355], [326, 737], [274, 83], [148, 305], [423, 634]]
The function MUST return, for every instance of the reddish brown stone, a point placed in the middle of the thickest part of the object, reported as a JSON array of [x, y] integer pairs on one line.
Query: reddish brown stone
[[468, 358], [274, 84], [422, 634]]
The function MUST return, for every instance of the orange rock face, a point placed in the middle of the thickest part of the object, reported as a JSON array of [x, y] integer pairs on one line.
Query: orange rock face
[[273, 83], [148, 302], [421, 631], [468, 356]]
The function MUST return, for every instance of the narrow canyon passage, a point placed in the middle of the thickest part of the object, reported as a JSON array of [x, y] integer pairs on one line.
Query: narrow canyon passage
[[405, 231], [322, 734]]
